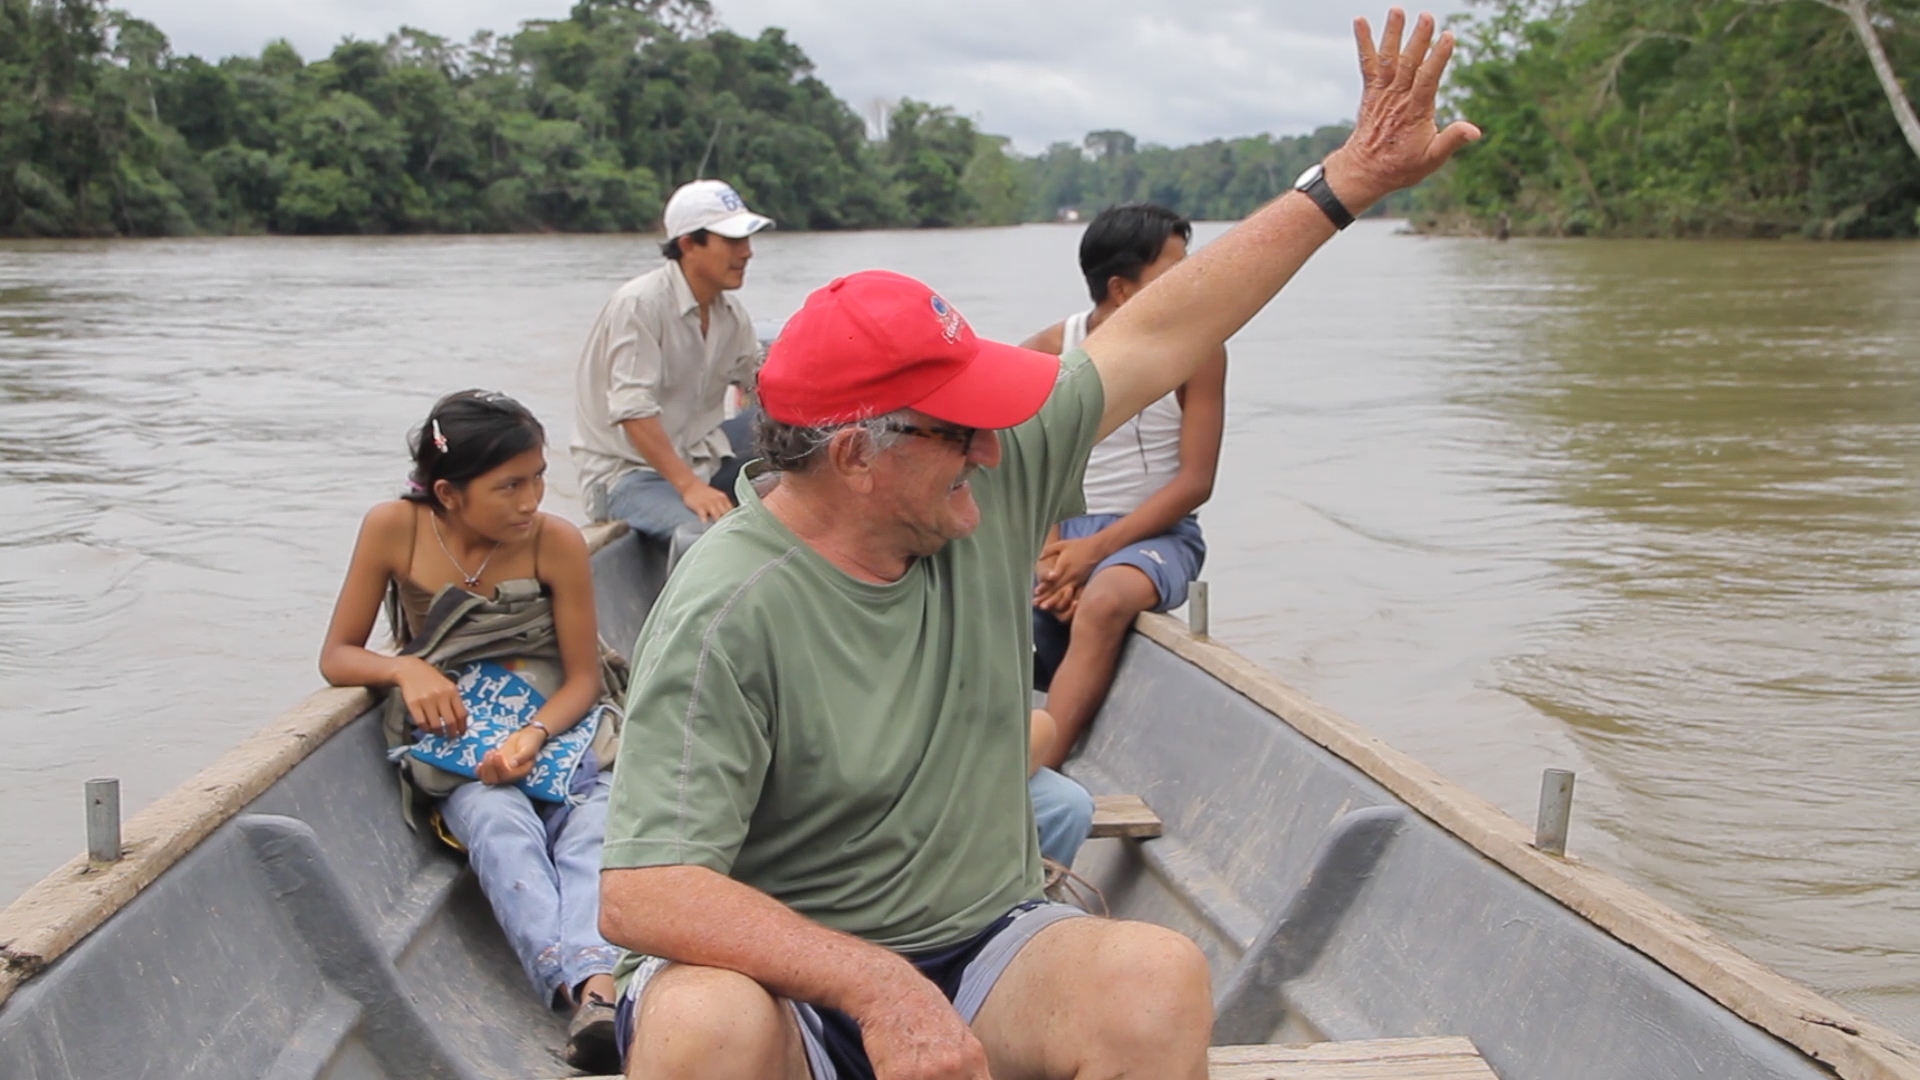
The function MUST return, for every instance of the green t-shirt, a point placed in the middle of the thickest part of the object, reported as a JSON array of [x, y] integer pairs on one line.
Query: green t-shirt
[[856, 751]]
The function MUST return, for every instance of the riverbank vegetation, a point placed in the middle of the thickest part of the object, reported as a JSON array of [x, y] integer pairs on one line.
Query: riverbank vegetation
[[1685, 118], [576, 124], [1603, 117]]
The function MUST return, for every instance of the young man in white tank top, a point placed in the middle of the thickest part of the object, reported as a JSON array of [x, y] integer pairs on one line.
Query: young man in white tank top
[[1139, 544]]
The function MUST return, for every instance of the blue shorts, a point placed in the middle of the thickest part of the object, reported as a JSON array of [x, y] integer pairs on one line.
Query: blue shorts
[[1171, 561]]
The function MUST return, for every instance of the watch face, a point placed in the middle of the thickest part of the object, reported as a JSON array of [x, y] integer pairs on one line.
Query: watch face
[[1313, 173]]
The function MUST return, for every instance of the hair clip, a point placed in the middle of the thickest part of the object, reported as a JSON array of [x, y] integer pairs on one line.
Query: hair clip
[[439, 440]]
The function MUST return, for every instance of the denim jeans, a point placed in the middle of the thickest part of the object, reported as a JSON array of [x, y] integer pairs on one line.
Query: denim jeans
[[539, 866], [1062, 811], [643, 499]]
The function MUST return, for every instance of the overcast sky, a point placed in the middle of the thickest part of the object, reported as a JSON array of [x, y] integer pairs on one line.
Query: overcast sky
[[1169, 71]]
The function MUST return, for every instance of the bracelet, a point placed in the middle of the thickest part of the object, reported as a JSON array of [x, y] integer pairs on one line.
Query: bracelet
[[544, 730]]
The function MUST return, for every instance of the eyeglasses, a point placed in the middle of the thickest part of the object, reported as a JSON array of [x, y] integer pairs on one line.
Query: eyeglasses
[[959, 436]]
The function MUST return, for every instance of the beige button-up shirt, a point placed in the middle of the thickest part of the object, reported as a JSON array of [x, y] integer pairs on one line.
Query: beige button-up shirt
[[646, 357]]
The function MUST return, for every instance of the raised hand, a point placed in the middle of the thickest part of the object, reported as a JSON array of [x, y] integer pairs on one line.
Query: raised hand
[[1395, 143]]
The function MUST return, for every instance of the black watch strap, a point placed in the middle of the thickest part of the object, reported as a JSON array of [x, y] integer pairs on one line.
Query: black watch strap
[[1313, 183]]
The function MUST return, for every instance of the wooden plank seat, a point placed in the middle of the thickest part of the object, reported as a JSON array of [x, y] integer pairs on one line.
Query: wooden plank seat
[[1126, 816], [1449, 1058]]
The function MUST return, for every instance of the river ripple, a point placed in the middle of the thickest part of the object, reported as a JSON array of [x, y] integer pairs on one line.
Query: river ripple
[[1642, 510]]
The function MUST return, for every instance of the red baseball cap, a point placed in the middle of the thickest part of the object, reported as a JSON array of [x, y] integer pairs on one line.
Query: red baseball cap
[[877, 341]]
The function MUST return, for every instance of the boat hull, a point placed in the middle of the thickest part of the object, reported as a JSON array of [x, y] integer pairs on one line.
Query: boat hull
[[1329, 909], [275, 919]]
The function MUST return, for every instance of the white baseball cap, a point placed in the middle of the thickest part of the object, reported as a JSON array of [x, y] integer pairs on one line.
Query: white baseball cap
[[714, 206]]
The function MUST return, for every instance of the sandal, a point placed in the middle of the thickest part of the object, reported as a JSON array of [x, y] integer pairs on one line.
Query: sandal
[[591, 1044]]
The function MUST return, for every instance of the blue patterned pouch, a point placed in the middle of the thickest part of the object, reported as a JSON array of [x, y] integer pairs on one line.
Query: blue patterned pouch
[[499, 702]]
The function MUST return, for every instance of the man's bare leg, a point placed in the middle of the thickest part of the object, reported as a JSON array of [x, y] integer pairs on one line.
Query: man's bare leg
[[1113, 597], [696, 1023], [1100, 999]]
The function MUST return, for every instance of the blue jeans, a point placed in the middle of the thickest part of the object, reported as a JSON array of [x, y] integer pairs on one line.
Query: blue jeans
[[1062, 811], [539, 866], [643, 498]]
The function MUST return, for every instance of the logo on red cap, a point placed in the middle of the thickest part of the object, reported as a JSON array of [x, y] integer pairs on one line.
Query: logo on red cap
[[950, 321]]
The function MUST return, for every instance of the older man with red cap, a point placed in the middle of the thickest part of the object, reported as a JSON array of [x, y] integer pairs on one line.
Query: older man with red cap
[[820, 848]]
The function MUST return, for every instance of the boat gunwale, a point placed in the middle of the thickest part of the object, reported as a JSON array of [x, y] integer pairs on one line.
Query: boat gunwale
[[58, 912], [1853, 1047]]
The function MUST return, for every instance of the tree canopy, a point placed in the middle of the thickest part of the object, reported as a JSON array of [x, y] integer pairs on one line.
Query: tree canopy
[[578, 124], [1681, 118]]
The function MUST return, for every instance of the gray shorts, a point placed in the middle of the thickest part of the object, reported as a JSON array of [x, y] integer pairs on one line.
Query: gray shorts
[[966, 974]]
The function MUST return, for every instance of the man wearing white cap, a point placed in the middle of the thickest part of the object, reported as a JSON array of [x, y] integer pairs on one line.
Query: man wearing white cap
[[651, 438]]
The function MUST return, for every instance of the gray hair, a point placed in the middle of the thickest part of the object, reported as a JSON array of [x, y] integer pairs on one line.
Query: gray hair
[[797, 448]]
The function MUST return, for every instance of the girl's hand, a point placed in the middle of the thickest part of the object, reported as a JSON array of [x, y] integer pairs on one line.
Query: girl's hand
[[432, 700], [512, 760]]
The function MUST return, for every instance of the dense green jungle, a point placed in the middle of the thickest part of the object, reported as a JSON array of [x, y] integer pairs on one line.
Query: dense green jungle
[[578, 124], [1603, 117], [1738, 118]]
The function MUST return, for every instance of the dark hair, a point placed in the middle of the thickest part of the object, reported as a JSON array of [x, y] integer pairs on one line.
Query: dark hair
[[1122, 241], [671, 249], [467, 434]]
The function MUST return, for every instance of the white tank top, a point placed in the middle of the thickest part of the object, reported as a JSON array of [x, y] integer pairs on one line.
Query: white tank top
[[1139, 458]]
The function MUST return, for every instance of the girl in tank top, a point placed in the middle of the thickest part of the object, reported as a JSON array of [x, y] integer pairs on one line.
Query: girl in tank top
[[470, 521]]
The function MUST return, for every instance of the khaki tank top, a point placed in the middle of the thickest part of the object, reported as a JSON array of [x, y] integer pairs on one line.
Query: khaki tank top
[[416, 601]]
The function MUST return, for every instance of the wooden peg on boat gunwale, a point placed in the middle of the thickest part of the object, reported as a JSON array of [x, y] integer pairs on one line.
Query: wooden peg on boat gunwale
[[103, 820], [1556, 811]]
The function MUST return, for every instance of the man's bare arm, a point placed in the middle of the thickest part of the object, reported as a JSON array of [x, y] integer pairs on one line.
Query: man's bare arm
[[1161, 337], [692, 915], [649, 437]]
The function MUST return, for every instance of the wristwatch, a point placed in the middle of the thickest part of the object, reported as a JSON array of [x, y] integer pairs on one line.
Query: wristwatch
[[1313, 184]]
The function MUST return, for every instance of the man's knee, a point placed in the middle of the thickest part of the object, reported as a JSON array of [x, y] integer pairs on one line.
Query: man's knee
[[1157, 986], [699, 1022]]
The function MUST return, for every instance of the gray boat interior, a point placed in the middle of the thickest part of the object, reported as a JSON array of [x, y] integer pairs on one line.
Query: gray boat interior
[[314, 936]]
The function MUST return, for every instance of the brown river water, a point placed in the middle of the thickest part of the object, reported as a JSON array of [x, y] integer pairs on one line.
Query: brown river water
[[1643, 510]]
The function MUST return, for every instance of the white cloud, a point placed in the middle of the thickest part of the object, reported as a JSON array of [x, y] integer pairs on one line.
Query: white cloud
[[1167, 71]]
